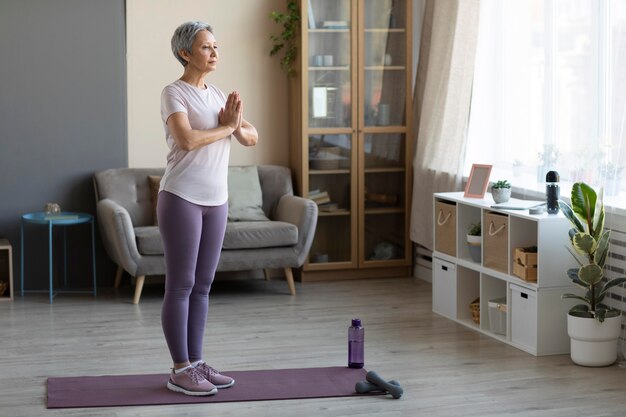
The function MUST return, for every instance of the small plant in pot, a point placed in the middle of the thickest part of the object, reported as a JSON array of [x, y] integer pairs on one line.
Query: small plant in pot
[[501, 191], [474, 241], [593, 327]]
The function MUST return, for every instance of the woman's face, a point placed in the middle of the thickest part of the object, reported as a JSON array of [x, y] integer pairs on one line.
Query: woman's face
[[204, 54]]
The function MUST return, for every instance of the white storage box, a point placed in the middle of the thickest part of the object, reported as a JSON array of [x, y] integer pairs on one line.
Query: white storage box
[[497, 315], [523, 316], [444, 288]]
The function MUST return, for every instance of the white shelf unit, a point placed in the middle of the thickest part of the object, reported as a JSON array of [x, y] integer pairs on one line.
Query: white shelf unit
[[536, 317], [6, 268]]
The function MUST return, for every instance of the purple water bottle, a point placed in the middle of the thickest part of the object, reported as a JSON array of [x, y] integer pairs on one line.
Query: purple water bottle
[[356, 344]]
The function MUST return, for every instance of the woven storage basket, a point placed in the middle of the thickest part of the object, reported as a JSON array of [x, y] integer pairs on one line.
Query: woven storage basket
[[475, 309], [4, 285]]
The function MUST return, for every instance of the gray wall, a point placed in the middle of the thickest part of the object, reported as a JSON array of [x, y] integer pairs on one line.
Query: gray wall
[[62, 117]]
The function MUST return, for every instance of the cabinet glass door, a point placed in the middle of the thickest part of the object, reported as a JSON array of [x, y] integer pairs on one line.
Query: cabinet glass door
[[384, 62], [384, 66], [329, 68], [384, 196], [330, 186], [329, 63]]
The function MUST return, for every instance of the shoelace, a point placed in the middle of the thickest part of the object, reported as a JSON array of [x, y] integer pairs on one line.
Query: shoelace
[[195, 375], [211, 371]]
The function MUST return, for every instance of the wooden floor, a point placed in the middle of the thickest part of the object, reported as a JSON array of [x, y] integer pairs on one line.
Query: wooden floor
[[445, 369]]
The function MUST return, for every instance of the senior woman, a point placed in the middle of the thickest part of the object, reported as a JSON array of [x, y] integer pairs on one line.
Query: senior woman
[[192, 209]]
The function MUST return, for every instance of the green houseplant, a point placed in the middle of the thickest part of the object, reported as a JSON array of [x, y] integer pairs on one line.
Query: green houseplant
[[290, 21], [501, 191], [593, 327], [474, 241]]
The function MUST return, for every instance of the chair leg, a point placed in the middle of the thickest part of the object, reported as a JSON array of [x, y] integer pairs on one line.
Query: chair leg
[[118, 277], [138, 288], [289, 276], [266, 272]]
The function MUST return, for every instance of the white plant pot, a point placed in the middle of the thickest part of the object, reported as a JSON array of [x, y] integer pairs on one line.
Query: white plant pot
[[501, 195], [593, 343], [474, 247]]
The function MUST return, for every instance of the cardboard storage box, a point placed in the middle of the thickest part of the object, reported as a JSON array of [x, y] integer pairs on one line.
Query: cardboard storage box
[[526, 256], [525, 264], [445, 227], [527, 273]]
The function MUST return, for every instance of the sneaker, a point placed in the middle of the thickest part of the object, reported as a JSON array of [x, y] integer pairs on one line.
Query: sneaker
[[214, 377], [190, 382]]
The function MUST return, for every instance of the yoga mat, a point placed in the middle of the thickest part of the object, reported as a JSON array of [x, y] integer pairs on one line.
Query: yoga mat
[[260, 385]]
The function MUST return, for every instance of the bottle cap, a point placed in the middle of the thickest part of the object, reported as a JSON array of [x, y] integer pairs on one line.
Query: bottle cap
[[356, 322], [552, 176]]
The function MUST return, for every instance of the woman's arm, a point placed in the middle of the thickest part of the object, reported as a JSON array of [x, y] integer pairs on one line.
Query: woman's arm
[[246, 134], [190, 139]]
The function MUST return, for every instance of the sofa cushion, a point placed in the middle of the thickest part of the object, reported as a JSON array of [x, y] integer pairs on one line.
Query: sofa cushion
[[251, 235], [245, 198], [149, 240], [239, 235]]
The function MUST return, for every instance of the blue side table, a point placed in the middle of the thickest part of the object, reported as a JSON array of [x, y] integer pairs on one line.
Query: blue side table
[[61, 219]]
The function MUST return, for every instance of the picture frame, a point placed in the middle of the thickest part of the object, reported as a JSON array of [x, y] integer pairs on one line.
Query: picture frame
[[478, 181]]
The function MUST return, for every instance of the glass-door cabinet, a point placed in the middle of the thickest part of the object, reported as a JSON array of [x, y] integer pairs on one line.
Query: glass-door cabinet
[[350, 113], [384, 121]]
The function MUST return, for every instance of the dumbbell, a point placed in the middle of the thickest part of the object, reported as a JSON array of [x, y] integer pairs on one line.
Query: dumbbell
[[363, 387], [376, 383]]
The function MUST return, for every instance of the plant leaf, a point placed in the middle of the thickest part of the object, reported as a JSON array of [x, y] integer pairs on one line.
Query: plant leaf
[[602, 249], [574, 296], [590, 274], [584, 243], [584, 314], [580, 307], [573, 275], [584, 203], [610, 284], [600, 314], [569, 213], [598, 222], [603, 311]]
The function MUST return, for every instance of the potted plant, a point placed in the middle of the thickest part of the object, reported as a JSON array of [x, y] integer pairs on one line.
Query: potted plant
[[593, 327], [287, 40], [474, 241], [501, 191]]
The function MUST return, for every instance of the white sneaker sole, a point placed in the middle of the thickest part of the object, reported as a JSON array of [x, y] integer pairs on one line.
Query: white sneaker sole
[[176, 388], [225, 386]]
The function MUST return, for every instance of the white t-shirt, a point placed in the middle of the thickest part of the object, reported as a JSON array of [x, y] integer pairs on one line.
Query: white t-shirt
[[199, 176]]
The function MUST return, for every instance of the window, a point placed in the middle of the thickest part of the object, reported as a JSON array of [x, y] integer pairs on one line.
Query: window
[[550, 93]]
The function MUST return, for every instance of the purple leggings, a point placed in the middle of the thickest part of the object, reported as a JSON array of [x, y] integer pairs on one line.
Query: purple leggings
[[192, 240]]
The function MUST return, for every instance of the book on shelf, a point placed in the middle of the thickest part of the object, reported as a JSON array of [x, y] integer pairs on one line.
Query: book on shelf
[[328, 207], [335, 24], [311, 16], [319, 197]]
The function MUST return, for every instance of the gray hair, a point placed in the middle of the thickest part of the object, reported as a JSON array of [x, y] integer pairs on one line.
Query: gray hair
[[183, 38]]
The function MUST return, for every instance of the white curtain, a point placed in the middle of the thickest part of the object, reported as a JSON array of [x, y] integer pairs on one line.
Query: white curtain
[[441, 105]]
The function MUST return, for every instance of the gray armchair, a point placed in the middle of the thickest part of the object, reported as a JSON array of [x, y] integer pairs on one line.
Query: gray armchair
[[125, 218]]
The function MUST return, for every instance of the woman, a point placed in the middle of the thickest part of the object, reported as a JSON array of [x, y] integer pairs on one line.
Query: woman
[[192, 208]]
